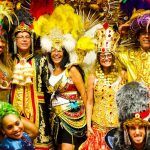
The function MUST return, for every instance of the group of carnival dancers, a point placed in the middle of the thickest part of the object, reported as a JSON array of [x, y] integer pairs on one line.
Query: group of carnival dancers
[[48, 101]]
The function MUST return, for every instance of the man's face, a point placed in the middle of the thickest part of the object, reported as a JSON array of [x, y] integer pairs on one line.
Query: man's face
[[137, 134], [23, 41], [2, 46], [144, 39]]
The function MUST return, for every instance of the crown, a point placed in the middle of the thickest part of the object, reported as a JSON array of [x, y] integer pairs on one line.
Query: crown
[[107, 39], [23, 27]]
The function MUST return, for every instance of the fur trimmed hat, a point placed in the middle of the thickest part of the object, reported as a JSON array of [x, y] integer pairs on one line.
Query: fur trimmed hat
[[133, 104]]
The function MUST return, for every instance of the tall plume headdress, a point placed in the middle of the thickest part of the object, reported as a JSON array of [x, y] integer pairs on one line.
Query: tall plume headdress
[[7, 10], [60, 29]]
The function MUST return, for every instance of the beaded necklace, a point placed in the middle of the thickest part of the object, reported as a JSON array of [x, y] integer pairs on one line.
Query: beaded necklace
[[108, 79]]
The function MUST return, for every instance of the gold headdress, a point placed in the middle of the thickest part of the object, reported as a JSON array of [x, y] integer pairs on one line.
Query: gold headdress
[[23, 27], [107, 39]]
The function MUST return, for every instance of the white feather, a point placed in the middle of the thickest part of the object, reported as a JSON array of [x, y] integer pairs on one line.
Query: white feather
[[46, 44], [69, 42], [91, 32], [89, 58], [73, 57]]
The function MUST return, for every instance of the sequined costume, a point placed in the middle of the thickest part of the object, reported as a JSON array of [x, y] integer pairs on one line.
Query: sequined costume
[[137, 64], [67, 105], [5, 77], [29, 99], [105, 112], [105, 107], [24, 143]]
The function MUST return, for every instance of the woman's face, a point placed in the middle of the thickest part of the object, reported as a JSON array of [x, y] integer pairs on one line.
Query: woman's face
[[56, 56], [106, 59], [23, 41], [12, 126], [144, 39], [2, 46]]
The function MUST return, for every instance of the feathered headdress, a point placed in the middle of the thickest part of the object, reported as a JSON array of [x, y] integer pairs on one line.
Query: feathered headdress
[[6, 11], [61, 29], [41, 7], [139, 20]]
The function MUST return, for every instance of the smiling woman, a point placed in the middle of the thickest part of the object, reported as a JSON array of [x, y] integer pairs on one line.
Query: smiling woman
[[101, 108], [66, 84], [12, 127]]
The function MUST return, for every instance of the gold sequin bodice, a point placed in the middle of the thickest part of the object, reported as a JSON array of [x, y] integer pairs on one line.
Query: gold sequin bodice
[[105, 112]]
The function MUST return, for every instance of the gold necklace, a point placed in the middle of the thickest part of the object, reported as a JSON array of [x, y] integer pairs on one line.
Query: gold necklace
[[108, 79]]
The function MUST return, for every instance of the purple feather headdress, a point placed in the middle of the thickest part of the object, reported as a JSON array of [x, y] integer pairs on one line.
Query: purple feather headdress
[[141, 22]]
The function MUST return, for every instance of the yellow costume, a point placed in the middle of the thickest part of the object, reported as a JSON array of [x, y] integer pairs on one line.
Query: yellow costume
[[137, 64], [105, 113]]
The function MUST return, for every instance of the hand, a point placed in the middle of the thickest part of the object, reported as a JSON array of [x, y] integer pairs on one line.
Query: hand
[[6, 85], [89, 131]]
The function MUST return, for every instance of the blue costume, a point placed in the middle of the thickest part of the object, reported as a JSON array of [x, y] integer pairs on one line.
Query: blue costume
[[24, 143]]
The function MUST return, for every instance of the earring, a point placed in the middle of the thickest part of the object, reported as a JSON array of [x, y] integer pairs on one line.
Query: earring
[[15, 47]]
